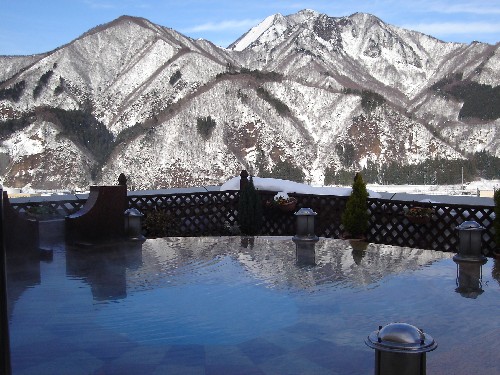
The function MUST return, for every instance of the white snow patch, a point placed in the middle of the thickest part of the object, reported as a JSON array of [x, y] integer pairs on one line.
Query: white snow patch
[[254, 33], [276, 184], [471, 188]]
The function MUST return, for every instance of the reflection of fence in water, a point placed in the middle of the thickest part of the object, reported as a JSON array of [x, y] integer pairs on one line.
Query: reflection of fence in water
[[212, 212]]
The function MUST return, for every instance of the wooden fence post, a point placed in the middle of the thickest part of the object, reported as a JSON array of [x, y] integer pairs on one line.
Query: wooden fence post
[[4, 319], [243, 179]]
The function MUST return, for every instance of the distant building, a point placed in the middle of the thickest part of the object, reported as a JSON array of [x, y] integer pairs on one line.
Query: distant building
[[486, 193]]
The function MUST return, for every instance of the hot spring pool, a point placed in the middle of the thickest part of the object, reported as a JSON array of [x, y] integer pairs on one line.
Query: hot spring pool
[[231, 305]]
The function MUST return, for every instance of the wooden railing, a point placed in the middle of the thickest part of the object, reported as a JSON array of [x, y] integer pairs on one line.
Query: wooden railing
[[215, 213], [193, 214], [58, 208], [389, 225]]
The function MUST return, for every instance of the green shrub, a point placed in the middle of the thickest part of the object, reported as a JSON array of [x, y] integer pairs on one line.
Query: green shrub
[[355, 216], [159, 223]]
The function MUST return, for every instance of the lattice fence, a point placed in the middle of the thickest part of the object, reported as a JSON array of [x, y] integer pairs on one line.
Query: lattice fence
[[58, 208], [215, 213], [389, 224], [195, 214]]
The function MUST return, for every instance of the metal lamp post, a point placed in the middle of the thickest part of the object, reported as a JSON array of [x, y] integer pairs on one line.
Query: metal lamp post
[[400, 349], [133, 224], [470, 242], [304, 224]]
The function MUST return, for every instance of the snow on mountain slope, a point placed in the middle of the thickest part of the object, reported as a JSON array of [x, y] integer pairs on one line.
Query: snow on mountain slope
[[294, 88], [39, 157], [173, 152], [257, 31]]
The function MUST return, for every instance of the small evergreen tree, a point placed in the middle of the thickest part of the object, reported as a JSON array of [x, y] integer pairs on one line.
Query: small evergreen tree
[[355, 216], [496, 224], [250, 210]]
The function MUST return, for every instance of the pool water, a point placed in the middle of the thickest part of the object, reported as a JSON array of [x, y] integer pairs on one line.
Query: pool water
[[236, 305]]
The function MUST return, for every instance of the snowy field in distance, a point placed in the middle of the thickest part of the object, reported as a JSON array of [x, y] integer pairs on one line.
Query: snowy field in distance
[[469, 188]]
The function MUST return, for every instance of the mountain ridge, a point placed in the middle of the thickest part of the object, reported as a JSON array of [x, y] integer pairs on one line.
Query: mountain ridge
[[299, 90]]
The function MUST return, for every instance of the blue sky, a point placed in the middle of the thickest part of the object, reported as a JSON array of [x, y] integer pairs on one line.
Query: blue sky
[[35, 26]]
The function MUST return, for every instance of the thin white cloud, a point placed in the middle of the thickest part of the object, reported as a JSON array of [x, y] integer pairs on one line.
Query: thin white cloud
[[99, 4], [224, 25], [455, 28], [112, 4], [477, 8]]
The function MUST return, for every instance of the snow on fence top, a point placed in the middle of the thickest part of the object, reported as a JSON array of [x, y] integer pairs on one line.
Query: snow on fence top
[[275, 184]]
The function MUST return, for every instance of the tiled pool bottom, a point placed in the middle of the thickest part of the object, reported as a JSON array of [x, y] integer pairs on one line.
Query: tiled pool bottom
[[231, 305]]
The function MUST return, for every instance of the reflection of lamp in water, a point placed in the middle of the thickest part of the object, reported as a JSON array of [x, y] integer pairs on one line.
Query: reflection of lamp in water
[[469, 259], [469, 277], [305, 239], [305, 254]]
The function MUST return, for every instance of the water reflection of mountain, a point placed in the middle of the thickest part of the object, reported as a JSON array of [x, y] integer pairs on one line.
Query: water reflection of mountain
[[337, 263], [272, 260]]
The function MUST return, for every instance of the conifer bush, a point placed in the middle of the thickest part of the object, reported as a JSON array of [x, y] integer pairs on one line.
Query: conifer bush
[[355, 216], [250, 210]]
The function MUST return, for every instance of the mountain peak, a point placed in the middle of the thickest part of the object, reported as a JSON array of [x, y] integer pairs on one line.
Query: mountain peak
[[303, 15], [272, 27], [124, 19], [276, 22]]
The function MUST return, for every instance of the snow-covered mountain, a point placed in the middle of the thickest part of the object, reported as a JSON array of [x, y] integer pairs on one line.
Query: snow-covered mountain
[[134, 97]]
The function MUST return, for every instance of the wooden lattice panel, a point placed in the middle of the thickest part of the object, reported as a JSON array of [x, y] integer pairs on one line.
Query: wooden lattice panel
[[389, 225], [62, 207], [194, 214], [212, 213]]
